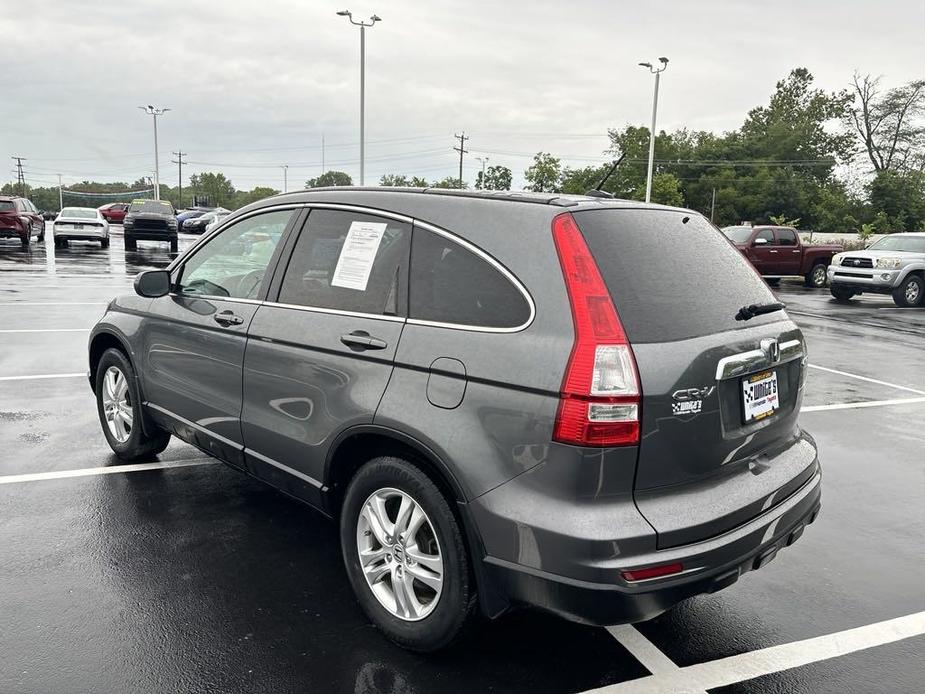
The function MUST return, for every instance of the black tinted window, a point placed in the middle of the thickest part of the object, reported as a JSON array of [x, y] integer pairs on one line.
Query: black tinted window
[[348, 261], [7, 205], [786, 237], [450, 284], [671, 279], [766, 234]]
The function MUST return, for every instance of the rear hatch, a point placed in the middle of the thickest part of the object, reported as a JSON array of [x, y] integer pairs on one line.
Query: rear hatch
[[719, 443], [9, 217]]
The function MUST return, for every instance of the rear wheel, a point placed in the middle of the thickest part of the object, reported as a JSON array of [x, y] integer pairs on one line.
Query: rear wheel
[[911, 293], [405, 556], [131, 245], [841, 294], [41, 236], [27, 239], [817, 276], [174, 246], [104, 243], [119, 407]]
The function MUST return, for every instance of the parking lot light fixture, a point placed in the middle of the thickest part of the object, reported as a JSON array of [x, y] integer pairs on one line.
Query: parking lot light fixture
[[154, 113], [363, 26], [657, 71]]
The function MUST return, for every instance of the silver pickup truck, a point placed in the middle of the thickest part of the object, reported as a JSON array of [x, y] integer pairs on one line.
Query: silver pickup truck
[[893, 265]]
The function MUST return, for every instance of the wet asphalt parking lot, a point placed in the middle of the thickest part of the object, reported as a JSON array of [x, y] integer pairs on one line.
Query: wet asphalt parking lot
[[185, 576]]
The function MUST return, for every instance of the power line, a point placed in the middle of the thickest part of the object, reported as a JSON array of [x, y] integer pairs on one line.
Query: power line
[[462, 150], [19, 175]]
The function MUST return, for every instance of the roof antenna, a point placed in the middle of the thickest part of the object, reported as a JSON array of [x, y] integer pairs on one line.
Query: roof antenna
[[597, 192]]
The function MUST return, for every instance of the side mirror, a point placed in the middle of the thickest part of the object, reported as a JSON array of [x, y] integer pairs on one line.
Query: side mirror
[[759, 242], [152, 283]]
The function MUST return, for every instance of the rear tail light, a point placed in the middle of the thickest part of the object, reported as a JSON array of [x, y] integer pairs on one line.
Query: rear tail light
[[600, 396], [652, 572]]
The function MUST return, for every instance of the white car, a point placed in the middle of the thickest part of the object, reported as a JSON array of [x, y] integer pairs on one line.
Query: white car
[[80, 223], [216, 219]]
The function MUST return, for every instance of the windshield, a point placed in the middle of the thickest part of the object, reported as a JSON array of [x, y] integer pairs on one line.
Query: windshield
[[908, 244], [78, 213], [738, 234], [157, 206]]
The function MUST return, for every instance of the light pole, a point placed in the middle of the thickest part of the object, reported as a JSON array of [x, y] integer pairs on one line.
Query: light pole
[[285, 168], [657, 71], [363, 25], [155, 112], [484, 161]]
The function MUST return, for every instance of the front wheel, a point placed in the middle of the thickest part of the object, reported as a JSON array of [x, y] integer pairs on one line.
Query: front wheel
[[119, 407], [840, 294], [405, 556], [131, 245], [911, 293], [817, 276]]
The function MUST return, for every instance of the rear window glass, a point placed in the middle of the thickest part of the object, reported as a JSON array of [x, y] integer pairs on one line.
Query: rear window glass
[[78, 213], [451, 284], [671, 279], [6, 205]]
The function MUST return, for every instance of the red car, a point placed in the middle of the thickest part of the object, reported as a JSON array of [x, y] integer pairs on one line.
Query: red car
[[19, 219], [114, 212], [779, 252]]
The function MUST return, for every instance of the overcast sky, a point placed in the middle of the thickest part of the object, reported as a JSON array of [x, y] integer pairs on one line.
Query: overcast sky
[[256, 84]]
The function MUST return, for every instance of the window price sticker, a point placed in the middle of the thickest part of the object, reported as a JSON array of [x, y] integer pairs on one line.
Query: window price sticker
[[357, 255]]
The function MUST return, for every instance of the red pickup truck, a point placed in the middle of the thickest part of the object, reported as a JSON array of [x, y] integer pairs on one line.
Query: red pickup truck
[[778, 252]]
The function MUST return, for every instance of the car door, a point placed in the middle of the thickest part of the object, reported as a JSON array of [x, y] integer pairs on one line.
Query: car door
[[763, 252], [320, 354], [788, 252], [193, 339]]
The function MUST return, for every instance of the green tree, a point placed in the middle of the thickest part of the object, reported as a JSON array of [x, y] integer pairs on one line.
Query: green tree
[[496, 178], [898, 200], [243, 198], [543, 175], [666, 190], [397, 180], [888, 124], [329, 178], [215, 186], [448, 182]]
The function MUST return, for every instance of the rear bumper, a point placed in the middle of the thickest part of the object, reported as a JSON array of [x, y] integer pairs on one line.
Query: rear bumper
[[150, 234], [709, 566], [81, 235], [11, 232]]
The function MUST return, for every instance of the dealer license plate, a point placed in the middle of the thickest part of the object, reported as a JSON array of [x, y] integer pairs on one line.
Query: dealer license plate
[[760, 395]]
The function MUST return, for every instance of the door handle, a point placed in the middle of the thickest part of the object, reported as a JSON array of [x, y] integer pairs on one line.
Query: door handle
[[360, 339], [772, 251], [227, 318]]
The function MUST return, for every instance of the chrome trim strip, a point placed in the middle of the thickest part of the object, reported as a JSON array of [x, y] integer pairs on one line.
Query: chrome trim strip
[[374, 211], [334, 311], [209, 432], [753, 360], [285, 468], [234, 300], [495, 264]]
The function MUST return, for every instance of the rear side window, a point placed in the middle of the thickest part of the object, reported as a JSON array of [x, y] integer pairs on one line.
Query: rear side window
[[671, 275], [6, 205], [786, 237], [348, 262], [451, 284]]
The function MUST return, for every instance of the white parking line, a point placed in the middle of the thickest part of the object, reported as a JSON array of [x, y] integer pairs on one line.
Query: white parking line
[[766, 661], [869, 380], [48, 330], [40, 376], [53, 303], [90, 471], [643, 650], [860, 404]]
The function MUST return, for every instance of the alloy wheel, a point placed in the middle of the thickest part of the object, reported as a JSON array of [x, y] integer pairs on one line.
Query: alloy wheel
[[399, 554], [912, 293], [819, 274], [117, 404]]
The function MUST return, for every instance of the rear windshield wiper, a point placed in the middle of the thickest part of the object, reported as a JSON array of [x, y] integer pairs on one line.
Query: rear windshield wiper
[[749, 312]]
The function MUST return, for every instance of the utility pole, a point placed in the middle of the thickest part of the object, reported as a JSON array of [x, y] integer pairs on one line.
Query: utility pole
[[20, 179], [322, 155], [363, 26], [462, 150], [155, 112], [713, 204], [179, 161], [657, 71], [60, 195], [285, 168]]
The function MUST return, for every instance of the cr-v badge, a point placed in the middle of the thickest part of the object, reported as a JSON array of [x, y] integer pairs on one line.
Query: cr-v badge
[[690, 400]]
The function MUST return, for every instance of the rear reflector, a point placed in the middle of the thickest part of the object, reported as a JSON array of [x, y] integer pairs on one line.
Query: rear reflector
[[599, 400], [652, 572]]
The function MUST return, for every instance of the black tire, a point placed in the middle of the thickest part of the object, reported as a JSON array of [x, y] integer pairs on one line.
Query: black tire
[[773, 281], [911, 293], [174, 246], [27, 239], [104, 243], [41, 236], [138, 445], [131, 245], [841, 294], [59, 243], [457, 604], [816, 277]]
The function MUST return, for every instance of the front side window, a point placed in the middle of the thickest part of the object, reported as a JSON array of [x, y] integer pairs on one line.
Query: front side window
[[233, 264], [348, 261], [451, 284], [766, 234]]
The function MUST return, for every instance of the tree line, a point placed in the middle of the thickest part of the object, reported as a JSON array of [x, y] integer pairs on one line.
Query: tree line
[[844, 161]]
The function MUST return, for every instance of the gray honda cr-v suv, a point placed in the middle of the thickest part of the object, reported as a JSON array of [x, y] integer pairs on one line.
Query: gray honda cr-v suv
[[582, 404]]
